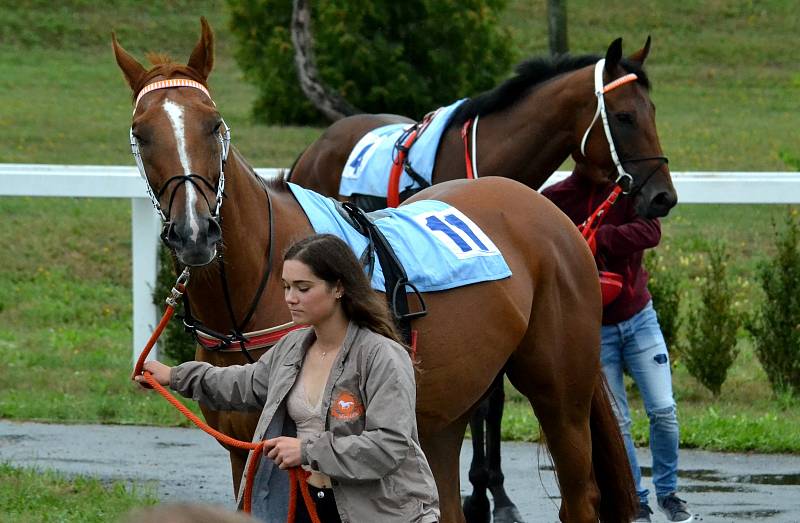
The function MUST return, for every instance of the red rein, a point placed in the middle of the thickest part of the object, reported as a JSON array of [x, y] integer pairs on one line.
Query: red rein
[[297, 476]]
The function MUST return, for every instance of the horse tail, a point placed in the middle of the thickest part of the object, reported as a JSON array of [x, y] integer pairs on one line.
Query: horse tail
[[612, 471]]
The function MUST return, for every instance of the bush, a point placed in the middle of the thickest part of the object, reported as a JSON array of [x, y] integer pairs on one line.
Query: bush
[[400, 57], [711, 328], [775, 326], [175, 343], [664, 287]]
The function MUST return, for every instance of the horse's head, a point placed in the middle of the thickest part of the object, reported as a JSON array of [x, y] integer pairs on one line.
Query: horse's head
[[622, 140], [180, 143]]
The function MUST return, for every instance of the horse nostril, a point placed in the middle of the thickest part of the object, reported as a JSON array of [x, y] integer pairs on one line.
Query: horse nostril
[[214, 231], [171, 236], [665, 200]]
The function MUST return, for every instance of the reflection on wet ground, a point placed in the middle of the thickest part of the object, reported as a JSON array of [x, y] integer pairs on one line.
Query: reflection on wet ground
[[718, 477]]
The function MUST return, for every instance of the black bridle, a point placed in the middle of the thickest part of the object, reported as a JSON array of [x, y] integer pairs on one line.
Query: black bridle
[[191, 324]]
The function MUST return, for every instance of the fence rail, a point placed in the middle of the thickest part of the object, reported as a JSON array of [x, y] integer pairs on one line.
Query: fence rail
[[111, 181]]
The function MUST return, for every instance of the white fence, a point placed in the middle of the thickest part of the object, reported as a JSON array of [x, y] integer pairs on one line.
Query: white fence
[[124, 182]]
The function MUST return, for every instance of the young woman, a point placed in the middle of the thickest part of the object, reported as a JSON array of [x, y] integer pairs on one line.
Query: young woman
[[337, 398]]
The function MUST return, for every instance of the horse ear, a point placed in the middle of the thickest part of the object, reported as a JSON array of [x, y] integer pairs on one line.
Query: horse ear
[[641, 55], [202, 59], [132, 69], [614, 54]]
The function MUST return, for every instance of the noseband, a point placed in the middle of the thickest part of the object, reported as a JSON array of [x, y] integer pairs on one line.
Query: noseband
[[224, 140], [624, 179]]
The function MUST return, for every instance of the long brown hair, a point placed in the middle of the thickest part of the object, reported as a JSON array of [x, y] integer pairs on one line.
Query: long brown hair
[[332, 260]]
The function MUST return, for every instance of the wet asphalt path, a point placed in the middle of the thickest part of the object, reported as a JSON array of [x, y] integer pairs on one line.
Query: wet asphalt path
[[188, 465]]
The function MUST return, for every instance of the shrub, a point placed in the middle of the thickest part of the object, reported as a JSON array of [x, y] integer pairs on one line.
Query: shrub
[[399, 57], [712, 325], [775, 325], [174, 343], [664, 286]]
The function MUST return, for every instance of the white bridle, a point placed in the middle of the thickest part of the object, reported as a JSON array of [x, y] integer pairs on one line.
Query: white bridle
[[224, 139], [599, 91]]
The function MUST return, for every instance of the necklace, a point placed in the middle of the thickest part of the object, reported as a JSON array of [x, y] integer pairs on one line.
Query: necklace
[[324, 353]]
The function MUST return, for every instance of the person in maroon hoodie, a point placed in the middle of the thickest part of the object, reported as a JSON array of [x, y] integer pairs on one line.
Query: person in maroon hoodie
[[631, 335]]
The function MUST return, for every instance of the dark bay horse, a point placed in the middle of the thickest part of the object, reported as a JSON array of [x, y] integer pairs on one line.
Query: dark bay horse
[[541, 324], [529, 125]]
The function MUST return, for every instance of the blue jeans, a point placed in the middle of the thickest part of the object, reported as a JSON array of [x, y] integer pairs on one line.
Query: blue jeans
[[638, 345]]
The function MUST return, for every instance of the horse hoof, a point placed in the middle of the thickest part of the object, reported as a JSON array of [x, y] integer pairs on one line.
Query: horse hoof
[[508, 514], [476, 509]]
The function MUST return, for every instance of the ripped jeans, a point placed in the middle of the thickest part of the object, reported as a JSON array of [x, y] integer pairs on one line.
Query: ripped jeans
[[638, 345]]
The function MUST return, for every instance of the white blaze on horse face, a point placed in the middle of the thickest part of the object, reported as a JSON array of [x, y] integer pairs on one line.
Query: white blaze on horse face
[[175, 114]]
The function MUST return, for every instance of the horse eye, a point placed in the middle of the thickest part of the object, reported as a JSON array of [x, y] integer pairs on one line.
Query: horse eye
[[626, 118], [217, 127]]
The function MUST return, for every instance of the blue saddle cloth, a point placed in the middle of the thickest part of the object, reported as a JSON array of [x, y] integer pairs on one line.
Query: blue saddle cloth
[[439, 247], [370, 162]]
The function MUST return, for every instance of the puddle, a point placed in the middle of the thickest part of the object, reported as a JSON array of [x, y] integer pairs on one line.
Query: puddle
[[716, 488], [747, 514], [173, 445], [714, 476]]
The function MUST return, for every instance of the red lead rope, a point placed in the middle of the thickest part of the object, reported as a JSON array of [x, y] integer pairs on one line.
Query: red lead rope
[[297, 476], [589, 227]]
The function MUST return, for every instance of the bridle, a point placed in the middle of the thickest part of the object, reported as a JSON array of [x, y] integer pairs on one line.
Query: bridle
[[224, 140], [203, 334], [624, 179]]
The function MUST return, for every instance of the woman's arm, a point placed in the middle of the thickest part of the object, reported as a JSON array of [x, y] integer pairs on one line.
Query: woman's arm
[[238, 387], [390, 418], [623, 240]]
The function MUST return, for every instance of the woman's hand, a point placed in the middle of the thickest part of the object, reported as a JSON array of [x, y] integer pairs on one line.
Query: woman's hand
[[284, 451], [160, 373]]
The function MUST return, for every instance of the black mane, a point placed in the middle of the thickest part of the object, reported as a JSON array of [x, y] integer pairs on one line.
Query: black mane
[[529, 74]]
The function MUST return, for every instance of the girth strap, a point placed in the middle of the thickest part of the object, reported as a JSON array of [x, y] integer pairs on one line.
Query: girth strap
[[394, 274]]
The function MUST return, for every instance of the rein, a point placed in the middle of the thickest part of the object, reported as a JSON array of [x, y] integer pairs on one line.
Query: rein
[[297, 476]]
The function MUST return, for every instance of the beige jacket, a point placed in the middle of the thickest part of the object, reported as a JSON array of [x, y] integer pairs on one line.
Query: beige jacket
[[370, 449]]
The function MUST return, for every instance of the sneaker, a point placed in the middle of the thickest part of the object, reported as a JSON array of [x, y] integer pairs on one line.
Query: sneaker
[[643, 515], [675, 508]]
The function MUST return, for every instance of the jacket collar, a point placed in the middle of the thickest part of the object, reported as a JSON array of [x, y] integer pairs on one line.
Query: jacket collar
[[297, 351]]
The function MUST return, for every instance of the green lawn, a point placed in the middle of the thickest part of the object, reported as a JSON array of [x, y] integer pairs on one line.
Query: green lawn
[[37, 496], [725, 80]]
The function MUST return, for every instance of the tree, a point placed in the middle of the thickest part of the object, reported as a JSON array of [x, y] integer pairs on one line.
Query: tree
[[327, 101], [400, 57], [557, 26]]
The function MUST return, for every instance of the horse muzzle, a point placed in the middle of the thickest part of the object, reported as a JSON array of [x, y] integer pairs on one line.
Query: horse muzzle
[[194, 245]]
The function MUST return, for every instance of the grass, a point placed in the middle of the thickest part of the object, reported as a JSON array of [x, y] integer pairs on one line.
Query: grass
[[39, 496], [725, 84]]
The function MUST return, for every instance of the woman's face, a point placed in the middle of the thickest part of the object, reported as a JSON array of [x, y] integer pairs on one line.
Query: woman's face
[[311, 300]]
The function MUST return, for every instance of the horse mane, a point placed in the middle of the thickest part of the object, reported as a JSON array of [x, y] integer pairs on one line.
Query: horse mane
[[164, 66], [529, 74]]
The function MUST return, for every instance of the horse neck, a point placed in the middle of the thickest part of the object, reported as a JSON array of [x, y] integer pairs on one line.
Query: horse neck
[[530, 139], [246, 242]]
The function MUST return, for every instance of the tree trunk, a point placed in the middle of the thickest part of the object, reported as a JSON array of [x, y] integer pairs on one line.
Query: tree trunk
[[325, 99], [557, 26]]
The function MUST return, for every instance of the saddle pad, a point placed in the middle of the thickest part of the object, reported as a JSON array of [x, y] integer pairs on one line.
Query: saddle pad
[[370, 162], [439, 247]]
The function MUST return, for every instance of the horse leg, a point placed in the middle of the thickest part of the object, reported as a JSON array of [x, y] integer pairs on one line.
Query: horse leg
[[476, 506], [442, 448], [556, 369], [504, 509]]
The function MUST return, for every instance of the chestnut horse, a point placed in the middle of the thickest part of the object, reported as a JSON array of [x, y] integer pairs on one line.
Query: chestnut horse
[[542, 324], [529, 125]]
